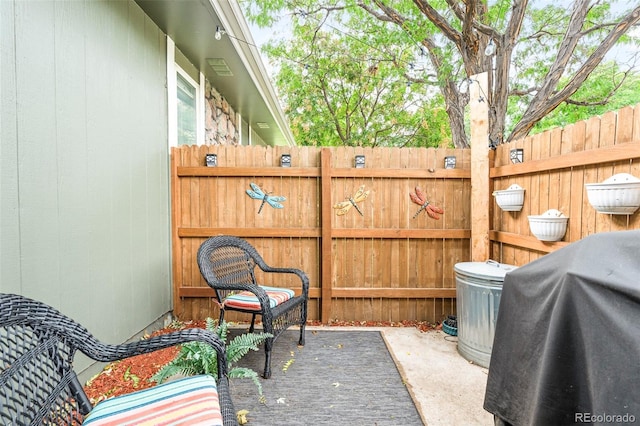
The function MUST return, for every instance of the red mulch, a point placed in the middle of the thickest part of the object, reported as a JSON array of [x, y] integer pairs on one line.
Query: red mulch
[[134, 373]]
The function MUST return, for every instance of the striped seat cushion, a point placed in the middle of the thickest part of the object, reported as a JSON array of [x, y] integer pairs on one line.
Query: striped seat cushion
[[190, 401], [249, 301]]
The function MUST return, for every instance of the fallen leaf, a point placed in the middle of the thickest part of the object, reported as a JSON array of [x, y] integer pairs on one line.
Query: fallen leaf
[[281, 400], [130, 376], [288, 364], [242, 417]]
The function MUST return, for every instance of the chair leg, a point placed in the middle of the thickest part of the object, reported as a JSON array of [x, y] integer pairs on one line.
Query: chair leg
[[221, 316], [253, 323], [301, 341], [267, 361]]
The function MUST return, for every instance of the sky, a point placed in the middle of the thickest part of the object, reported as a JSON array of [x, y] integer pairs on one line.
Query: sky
[[262, 35]]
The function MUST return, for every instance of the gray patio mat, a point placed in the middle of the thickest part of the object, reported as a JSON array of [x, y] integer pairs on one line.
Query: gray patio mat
[[338, 378]]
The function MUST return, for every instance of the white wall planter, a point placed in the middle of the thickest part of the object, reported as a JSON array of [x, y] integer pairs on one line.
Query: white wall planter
[[510, 199], [620, 194], [549, 226]]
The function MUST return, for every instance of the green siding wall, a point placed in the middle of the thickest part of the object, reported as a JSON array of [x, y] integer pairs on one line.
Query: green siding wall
[[85, 209]]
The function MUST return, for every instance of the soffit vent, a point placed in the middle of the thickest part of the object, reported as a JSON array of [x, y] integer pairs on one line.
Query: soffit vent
[[220, 67], [262, 125]]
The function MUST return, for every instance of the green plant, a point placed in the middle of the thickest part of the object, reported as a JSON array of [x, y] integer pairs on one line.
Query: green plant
[[200, 358]]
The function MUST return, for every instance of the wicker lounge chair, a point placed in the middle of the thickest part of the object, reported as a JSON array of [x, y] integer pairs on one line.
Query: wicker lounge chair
[[228, 266], [39, 386]]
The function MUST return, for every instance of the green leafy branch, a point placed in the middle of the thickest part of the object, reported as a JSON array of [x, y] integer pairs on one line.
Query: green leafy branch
[[200, 358]]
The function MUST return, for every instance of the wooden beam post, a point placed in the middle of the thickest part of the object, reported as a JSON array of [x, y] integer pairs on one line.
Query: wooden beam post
[[326, 245], [176, 223], [479, 104]]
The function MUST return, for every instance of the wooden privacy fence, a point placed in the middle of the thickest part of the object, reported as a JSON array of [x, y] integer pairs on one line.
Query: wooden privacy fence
[[557, 165], [383, 266]]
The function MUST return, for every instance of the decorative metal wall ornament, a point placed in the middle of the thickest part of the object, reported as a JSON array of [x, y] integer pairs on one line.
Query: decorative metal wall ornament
[[344, 206], [258, 194], [421, 199]]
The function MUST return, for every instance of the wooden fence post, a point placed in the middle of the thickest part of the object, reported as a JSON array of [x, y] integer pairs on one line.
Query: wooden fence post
[[479, 104], [326, 244]]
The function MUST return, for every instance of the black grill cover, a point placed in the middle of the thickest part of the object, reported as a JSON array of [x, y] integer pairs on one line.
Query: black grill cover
[[567, 343]]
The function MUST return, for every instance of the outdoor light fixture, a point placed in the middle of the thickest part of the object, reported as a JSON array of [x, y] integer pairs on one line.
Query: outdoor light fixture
[[450, 162], [464, 85], [285, 160], [463, 88], [490, 49], [359, 162], [516, 155], [219, 32], [211, 160]]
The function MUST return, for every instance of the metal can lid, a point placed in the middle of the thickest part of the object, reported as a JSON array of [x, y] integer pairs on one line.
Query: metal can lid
[[489, 270]]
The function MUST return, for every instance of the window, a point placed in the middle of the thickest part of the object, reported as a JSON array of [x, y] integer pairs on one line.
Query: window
[[185, 100], [187, 110]]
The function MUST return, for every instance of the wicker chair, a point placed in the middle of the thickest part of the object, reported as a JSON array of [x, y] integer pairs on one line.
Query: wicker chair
[[228, 266], [39, 386]]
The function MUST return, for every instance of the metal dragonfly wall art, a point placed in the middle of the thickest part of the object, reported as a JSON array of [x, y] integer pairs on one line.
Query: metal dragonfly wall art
[[258, 194], [344, 206], [421, 199]]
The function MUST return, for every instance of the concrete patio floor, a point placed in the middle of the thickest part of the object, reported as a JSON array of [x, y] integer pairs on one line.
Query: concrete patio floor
[[447, 389]]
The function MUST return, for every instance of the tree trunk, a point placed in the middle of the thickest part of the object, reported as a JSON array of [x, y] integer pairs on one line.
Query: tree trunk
[[455, 103]]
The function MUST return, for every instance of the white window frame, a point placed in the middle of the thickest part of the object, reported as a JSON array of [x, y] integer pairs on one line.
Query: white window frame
[[172, 97]]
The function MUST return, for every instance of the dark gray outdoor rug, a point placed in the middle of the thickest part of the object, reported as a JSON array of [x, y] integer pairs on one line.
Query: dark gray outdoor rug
[[337, 378]]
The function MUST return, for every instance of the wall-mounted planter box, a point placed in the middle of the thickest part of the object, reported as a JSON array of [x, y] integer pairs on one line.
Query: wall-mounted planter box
[[510, 199], [620, 194], [549, 226]]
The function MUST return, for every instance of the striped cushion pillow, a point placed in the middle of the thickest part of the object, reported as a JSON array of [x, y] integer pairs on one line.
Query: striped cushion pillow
[[249, 301], [189, 401]]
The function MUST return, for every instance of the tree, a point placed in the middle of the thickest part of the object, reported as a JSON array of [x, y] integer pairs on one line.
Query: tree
[[543, 53], [607, 89], [338, 90]]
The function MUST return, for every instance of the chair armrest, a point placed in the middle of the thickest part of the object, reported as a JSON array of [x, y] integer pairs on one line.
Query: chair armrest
[[107, 353], [17, 310], [303, 276]]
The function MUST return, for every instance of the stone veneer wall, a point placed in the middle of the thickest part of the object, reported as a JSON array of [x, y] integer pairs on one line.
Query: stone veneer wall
[[220, 127]]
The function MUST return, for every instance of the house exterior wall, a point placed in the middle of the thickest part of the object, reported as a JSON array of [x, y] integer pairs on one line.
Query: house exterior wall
[[85, 209], [220, 120]]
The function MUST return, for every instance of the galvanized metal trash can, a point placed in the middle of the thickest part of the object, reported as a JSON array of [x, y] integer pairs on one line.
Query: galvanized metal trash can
[[478, 291]]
